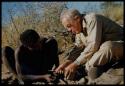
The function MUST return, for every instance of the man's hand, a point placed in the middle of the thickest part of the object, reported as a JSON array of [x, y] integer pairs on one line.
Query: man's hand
[[61, 68], [48, 77], [70, 70]]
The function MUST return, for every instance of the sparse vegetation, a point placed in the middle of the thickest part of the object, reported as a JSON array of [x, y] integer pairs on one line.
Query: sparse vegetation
[[44, 18], [114, 11]]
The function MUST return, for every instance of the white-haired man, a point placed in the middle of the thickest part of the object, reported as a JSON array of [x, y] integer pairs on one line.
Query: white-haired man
[[100, 37]]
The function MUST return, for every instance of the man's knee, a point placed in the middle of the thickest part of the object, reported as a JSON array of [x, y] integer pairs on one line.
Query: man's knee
[[102, 56], [8, 57], [7, 51], [8, 54], [107, 45]]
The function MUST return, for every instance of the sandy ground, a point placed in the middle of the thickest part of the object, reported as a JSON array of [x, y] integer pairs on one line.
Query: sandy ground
[[114, 76]]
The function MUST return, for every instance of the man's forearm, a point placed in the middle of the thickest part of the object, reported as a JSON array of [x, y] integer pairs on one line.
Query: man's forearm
[[32, 77], [66, 63]]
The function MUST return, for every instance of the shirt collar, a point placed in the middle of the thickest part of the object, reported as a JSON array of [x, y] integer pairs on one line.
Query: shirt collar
[[84, 26]]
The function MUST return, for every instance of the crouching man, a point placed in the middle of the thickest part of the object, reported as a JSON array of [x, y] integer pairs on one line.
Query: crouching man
[[32, 60], [100, 38]]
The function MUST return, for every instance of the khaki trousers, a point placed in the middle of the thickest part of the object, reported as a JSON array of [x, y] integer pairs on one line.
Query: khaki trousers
[[109, 50]]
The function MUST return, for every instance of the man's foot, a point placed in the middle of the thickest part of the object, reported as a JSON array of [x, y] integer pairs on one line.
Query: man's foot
[[82, 81]]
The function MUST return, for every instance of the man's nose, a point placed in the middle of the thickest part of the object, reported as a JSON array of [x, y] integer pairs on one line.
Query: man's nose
[[69, 29]]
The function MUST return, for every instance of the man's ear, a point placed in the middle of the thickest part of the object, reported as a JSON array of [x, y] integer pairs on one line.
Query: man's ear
[[77, 18]]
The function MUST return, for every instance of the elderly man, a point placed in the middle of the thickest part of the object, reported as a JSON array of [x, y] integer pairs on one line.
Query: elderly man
[[99, 37]]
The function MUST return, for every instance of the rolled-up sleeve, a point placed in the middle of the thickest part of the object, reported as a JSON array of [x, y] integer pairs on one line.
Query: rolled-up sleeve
[[93, 40]]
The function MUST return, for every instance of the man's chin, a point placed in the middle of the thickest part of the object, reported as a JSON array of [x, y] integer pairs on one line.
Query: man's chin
[[77, 32]]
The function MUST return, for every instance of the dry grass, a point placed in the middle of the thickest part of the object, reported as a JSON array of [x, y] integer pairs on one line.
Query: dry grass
[[11, 32], [115, 13]]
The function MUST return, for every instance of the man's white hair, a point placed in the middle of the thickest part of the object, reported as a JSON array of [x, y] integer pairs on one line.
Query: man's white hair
[[70, 13]]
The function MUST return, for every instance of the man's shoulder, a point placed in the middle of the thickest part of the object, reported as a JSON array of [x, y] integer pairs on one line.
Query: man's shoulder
[[43, 40], [47, 39], [90, 15], [50, 42]]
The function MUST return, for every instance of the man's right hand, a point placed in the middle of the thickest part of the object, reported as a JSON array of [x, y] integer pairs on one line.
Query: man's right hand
[[61, 68]]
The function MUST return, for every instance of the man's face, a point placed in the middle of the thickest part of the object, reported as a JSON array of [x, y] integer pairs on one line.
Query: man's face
[[33, 46], [72, 25]]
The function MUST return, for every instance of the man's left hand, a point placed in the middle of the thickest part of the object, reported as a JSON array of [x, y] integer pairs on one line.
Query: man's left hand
[[70, 71]]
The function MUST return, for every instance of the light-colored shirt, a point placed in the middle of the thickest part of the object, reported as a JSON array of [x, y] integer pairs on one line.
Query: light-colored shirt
[[99, 29]]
